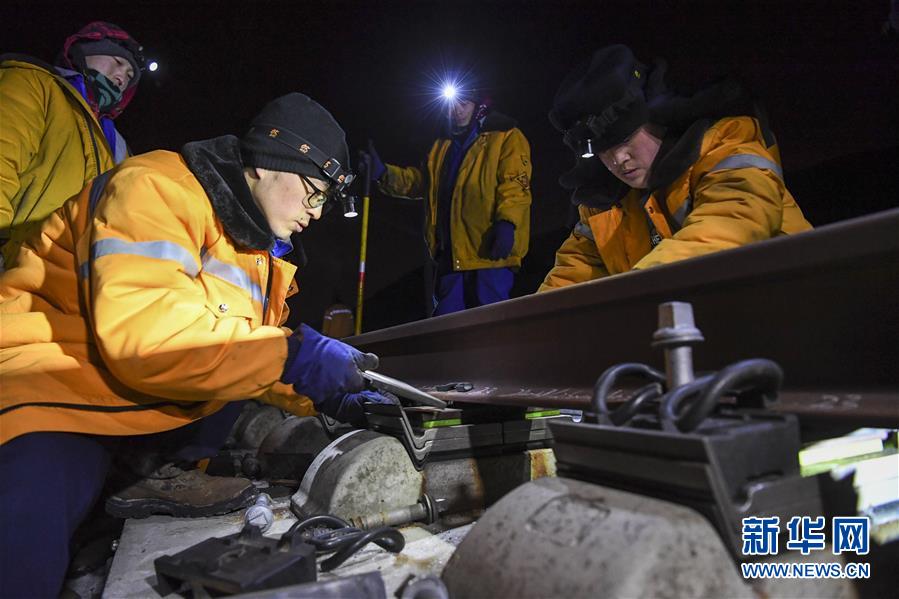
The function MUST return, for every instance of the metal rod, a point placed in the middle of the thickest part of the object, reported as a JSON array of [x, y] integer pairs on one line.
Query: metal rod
[[676, 333], [424, 510]]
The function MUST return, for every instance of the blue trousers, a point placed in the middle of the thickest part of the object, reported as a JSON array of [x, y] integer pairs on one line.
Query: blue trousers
[[50, 481], [458, 291]]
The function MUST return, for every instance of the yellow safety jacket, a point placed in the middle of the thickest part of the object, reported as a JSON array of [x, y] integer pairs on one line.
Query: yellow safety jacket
[[731, 196], [144, 313], [51, 144], [494, 183]]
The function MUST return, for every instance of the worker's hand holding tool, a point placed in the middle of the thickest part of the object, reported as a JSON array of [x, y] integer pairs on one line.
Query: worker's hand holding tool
[[377, 169], [349, 408], [329, 372]]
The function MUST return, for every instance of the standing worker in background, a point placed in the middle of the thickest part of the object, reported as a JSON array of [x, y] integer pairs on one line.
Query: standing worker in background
[[477, 185], [661, 177], [57, 129], [145, 309]]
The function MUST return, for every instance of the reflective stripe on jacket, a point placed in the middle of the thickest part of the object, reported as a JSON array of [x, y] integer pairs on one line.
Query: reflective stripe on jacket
[[142, 318], [493, 184], [731, 196], [51, 144]]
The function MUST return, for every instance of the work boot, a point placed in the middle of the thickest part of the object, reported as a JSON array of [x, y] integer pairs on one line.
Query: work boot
[[181, 493]]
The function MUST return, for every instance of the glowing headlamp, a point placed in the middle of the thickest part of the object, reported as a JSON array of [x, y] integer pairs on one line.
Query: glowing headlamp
[[348, 205], [449, 92], [588, 149]]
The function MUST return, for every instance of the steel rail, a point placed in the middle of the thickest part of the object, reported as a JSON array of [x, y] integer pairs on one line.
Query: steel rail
[[823, 304]]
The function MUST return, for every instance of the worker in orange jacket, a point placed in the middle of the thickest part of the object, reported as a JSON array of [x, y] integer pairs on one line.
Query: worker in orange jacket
[[661, 177], [149, 305]]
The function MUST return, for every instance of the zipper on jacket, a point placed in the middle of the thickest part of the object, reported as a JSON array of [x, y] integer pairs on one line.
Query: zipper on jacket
[[90, 131], [268, 288], [654, 237], [87, 121]]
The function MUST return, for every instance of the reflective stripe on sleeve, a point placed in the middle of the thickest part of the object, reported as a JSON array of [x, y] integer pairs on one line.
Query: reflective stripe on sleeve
[[161, 250], [735, 161], [232, 274], [748, 161]]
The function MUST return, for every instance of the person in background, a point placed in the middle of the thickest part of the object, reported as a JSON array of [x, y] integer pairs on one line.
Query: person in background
[[477, 183], [58, 128], [661, 177]]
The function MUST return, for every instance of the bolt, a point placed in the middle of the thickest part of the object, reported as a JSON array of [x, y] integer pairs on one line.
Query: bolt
[[114, 545], [676, 334], [425, 510], [260, 513]]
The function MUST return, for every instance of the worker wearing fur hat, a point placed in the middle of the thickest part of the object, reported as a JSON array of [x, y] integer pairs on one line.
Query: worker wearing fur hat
[[58, 130], [661, 177], [477, 186], [146, 308]]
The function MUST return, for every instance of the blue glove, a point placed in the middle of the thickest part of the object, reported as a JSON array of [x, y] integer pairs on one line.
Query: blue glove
[[377, 169], [503, 240], [349, 408], [324, 369]]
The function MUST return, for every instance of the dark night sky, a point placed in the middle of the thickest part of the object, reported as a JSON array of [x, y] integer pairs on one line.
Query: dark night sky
[[829, 78]]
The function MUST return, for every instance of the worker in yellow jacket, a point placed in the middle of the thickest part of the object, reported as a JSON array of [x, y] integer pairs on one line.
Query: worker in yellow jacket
[[56, 124], [661, 177], [149, 304], [478, 192]]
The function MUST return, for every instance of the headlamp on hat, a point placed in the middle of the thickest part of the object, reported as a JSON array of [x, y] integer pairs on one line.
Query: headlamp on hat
[[596, 133], [452, 92], [144, 64], [449, 92], [588, 149], [456, 89], [581, 140], [348, 204], [338, 175]]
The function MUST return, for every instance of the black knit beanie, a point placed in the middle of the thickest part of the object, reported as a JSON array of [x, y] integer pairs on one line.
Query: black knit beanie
[[294, 117], [106, 47]]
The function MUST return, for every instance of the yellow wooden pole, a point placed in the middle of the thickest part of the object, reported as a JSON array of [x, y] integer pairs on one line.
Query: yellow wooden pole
[[360, 296]]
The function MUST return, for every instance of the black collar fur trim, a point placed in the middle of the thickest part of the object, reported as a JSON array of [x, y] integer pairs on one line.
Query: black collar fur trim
[[497, 121], [676, 155], [217, 166], [494, 121]]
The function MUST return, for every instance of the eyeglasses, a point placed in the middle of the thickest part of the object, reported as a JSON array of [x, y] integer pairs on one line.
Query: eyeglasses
[[315, 199]]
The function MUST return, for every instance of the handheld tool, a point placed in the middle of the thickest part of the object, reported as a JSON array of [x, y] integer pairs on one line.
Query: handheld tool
[[400, 389]]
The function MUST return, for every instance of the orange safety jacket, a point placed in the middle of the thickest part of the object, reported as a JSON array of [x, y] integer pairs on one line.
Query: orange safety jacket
[[732, 195], [145, 307]]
